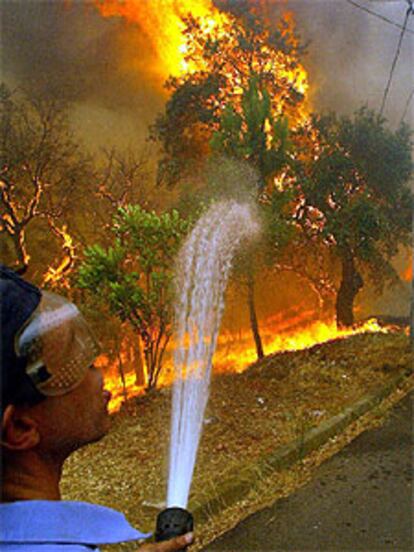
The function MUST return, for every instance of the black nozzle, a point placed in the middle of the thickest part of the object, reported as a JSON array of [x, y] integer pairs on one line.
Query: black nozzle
[[173, 522]]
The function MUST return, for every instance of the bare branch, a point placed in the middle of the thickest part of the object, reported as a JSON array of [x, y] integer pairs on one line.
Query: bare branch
[[55, 275]]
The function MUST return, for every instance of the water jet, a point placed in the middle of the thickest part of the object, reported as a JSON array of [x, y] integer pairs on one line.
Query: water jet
[[203, 267]]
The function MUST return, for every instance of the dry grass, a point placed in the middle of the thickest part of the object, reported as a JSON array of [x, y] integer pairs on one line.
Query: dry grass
[[248, 415]]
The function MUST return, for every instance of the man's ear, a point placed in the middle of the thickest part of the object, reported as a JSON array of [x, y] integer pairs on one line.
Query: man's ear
[[19, 430]]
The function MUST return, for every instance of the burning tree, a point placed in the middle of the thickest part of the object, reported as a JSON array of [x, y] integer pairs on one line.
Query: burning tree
[[255, 135], [239, 78], [133, 277], [243, 81], [41, 171], [221, 60], [355, 198], [123, 179]]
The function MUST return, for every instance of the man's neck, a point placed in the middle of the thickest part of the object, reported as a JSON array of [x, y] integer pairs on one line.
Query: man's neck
[[31, 478]]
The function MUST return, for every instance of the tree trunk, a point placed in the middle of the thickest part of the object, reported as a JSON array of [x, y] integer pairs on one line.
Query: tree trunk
[[351, 284], [19, 241], [122, 373], [149, 363], [412, 315], [253, 317], [139, 368]]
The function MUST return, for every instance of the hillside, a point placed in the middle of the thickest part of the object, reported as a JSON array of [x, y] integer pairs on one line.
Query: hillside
[[248, 416]]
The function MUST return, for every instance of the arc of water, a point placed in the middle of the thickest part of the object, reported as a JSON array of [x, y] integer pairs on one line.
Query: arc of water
[[202, 272]]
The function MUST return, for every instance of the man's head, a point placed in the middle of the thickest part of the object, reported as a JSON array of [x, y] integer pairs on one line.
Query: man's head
[[53, 399]]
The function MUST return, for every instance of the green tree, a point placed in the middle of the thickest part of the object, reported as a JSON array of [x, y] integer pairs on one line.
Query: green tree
[[244, 79], [134, 277], [356, 200], [252, 133]]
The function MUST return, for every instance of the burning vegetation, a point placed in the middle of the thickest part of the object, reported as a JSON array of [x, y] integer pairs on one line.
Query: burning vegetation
[[331, 191], [164, 26], [249, 415], [235, 352]]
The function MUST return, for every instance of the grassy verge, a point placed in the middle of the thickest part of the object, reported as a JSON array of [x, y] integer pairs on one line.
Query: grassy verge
[[248, 416]]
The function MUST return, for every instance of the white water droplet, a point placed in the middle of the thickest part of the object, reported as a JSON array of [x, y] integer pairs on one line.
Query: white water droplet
[[202, 273]]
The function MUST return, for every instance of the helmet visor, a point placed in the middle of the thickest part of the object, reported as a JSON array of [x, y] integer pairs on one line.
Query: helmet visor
[[57, 344]]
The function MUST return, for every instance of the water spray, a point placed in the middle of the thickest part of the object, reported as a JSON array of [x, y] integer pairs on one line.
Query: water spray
[[203, 268]]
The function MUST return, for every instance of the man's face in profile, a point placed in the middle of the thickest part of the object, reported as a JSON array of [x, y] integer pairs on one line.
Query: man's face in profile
[[68, 422]]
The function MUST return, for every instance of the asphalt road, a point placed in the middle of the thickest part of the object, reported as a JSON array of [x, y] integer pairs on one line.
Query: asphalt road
[[359, 500]]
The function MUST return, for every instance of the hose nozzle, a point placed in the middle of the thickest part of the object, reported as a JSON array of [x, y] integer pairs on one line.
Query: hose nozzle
[[173, 522]]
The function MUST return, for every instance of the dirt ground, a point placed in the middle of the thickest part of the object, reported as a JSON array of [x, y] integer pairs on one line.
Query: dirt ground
[[248, 415]]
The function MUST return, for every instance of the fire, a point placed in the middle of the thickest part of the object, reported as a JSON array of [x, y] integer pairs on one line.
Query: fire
[[118, 395], [178, 52], [236, 352], [162, 24], [56, 275], [407, 275], [285, 337]]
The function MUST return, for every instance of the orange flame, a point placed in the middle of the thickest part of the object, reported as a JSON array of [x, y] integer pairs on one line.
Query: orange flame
[[236, 352], [55, 275], [161, 23], [407, 275], [295, 339]]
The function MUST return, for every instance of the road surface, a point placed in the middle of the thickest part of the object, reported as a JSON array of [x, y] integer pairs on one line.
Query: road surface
[[359, 500]]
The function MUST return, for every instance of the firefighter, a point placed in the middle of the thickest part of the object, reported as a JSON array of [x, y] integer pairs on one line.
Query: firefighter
[[53, 402]]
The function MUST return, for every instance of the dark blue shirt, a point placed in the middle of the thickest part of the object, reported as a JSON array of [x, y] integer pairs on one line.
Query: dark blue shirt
[[61, 526]]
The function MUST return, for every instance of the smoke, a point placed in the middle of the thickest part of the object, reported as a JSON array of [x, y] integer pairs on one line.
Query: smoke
[[106, 65], [99, 65], [350, 51], [350, 54], [44, 45]]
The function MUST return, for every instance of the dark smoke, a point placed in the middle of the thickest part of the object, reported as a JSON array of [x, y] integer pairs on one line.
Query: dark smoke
[[350, 52], [64, 50], [68, 49]]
